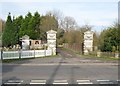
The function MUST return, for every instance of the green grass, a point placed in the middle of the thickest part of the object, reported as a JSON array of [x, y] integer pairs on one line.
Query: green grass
[[109, 58], [52, 56], [101, 58], [70, 50], [13, 60], [92, 56]]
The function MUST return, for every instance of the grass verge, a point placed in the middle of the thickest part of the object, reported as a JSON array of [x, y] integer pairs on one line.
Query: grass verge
[[101, 58], [91, 56], [13, 60], [21, 59]]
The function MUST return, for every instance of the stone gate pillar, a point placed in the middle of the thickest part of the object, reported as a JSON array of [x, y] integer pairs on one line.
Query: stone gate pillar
[[25, 42], [51, 41], [88, 42]]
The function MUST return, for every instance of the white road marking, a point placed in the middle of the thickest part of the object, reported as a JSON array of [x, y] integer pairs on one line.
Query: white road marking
[[60, 82], [105, 82], [38, 82], [11, 83], [14, 82], [84, 82], [101, 80], [118, 80]]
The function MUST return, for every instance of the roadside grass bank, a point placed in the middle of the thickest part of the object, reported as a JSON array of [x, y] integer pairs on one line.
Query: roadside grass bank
[[104, 58], [13, 60]]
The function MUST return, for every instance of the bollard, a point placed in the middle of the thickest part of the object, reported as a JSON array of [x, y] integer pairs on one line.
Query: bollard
[[98, 54], [116, 55]]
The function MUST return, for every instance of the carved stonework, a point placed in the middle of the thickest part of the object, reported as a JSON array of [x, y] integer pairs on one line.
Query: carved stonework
[[51, 40], [88, 42], [25, 42]]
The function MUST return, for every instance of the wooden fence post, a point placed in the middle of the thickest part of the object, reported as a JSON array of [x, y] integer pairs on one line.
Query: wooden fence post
[[116, 55], [34, 53], [19, 51], [1, 54], [98, 54], [45, 52]]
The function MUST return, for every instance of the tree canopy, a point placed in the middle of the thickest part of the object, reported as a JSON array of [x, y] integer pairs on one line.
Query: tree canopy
[[110, 39], [9, 33], [36, 26]]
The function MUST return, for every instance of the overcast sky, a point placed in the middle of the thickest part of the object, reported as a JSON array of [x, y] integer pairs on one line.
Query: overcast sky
[[98, 14]]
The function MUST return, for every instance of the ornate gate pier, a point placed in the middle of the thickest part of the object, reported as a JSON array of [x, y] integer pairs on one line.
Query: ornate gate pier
[[88, 42], [51, 41]]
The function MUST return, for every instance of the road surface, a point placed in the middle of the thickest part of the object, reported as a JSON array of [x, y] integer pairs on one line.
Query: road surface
[[66, 68]]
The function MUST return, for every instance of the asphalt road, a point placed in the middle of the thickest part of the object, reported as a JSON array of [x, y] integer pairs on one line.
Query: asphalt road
[[65, 67], [63, 72]]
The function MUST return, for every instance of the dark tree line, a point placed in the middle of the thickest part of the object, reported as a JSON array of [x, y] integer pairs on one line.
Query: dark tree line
[[110, 39], [67, 29], [35, 26], [9, 35]]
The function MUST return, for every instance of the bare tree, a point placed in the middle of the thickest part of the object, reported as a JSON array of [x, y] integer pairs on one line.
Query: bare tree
[[58, 16], [69, 23]]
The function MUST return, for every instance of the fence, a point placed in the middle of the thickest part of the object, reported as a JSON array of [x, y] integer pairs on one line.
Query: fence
[[24, 54], [105, 54], [108, 54], [78, 47]]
